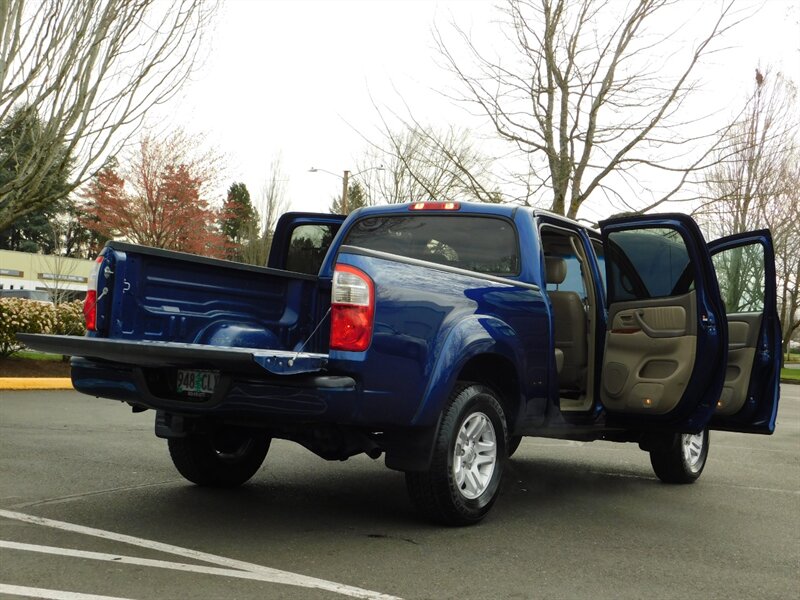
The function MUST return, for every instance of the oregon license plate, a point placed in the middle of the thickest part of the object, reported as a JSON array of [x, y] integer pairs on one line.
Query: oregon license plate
[[197, 383]]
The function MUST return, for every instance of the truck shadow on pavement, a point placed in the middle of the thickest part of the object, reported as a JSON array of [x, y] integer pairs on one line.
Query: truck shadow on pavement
[[338, 500]]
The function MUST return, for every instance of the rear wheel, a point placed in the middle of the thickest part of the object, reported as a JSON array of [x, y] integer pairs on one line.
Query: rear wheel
[[681, 458], [227, 458], [464, 477]]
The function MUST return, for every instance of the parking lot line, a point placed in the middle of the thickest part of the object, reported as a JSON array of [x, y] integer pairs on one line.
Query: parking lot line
[[29, 592], [133, 560], [266, 574]]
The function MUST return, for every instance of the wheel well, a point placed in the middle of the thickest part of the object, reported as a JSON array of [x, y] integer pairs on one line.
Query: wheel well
[[498, 373]]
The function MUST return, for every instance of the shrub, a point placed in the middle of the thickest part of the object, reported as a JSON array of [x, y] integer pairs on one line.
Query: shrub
[[18, 315], [69, 319]]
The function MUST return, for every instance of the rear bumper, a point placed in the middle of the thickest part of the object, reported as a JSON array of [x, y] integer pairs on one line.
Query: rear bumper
[[286, 398]]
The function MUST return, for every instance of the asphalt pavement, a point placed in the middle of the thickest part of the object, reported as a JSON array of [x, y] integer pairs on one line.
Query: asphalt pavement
[[90, 504]]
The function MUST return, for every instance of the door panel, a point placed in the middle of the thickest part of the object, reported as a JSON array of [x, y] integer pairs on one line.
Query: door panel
[[666, 344], [650, 354], [743, 331], [745, 269]]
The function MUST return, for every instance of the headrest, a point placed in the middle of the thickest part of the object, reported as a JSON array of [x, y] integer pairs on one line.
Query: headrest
[[555, 269]]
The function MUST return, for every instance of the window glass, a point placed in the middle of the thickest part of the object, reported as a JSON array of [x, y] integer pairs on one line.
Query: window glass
[[481, 244], [601, 262], [648, 263], [307, 248], [740, 273], [573, 282]]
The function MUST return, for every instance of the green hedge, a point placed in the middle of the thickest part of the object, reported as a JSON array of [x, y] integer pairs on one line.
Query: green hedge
[[18, 315]]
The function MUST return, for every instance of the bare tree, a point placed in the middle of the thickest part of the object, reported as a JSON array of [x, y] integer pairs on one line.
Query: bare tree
[[756, 184], [90, 69], [413, 162], [588, 94], [271, 203]]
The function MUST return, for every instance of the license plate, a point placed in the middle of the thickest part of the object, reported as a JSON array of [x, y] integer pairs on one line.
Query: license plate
[[197, 383]]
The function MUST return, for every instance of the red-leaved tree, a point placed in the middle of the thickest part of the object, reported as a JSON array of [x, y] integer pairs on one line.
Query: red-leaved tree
[[158, 198]]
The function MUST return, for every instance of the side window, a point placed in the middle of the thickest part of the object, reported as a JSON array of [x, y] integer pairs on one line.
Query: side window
[[573, 282], [600, 253], [571, 275], [740, 273], [307, 248], [646, 264]]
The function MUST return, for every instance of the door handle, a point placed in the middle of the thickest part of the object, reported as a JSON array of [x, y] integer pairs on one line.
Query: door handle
[[656, 333]]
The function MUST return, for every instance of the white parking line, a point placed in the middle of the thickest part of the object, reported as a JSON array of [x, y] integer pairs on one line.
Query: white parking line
[[133, 560], [265, 574], [29, 592]]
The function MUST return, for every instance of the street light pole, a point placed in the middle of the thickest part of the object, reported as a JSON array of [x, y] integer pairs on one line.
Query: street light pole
[[345, 179]]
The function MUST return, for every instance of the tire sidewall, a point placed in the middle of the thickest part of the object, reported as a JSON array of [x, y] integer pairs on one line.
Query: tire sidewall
[[671, 465], [197, 459], [471, 400]]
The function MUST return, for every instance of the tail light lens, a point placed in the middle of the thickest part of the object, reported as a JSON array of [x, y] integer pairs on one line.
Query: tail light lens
[[352, 309], [90, 303]]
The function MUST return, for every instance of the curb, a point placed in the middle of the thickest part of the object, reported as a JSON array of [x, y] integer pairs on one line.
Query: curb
[[35, 383]]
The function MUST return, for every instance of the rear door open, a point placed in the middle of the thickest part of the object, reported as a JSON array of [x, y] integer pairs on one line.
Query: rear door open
[[666, 341], [745, 269]]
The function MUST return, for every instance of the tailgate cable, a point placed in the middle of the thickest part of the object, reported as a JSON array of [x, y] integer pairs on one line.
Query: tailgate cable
[[101, 295], [303, 345]]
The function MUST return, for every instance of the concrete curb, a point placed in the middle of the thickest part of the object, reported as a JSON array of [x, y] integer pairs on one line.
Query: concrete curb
[[35, 383]]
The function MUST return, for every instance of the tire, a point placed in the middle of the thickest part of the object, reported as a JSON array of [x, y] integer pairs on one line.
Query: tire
[[463, 481], [513, 443], [225, 459], [681, 458]]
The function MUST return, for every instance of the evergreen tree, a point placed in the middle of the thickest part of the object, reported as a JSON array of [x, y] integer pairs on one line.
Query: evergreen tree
[[33, 232], [238, 220], [356, 198]]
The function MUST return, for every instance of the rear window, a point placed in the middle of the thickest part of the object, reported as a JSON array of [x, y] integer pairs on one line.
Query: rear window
[[481, 244]]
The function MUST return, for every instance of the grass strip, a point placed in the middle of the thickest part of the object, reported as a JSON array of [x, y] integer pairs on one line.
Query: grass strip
[[790, 374]]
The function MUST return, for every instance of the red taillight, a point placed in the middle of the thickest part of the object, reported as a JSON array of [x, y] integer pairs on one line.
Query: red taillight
[[90, 303], [352, 309], [434, 206], [90, 310]]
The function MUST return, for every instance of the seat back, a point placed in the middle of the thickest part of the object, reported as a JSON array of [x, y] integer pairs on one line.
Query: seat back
[[569, 323]]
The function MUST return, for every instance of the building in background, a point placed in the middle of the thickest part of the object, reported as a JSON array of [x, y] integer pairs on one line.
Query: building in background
[[61, 277]]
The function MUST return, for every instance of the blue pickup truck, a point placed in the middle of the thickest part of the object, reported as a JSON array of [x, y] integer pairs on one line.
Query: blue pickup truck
[[438, 334]]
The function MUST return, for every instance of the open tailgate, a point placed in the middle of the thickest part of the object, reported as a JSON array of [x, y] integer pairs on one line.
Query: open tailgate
[[161, 354]]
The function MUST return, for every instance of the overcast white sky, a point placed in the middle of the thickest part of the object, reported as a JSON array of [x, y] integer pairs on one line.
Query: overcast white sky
[[294, 78]]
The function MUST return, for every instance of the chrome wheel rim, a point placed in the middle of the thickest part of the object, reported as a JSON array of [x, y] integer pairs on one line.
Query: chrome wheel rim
[[692, 446], [474, 455]]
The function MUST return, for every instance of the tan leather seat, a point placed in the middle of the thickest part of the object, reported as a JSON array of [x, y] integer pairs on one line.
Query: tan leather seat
[[569, 322]]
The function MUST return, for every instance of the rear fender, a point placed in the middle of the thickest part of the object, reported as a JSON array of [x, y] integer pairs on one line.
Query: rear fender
[[474, 336]]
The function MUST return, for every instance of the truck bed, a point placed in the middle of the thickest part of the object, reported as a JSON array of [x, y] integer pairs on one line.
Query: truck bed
[[165, 296]]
